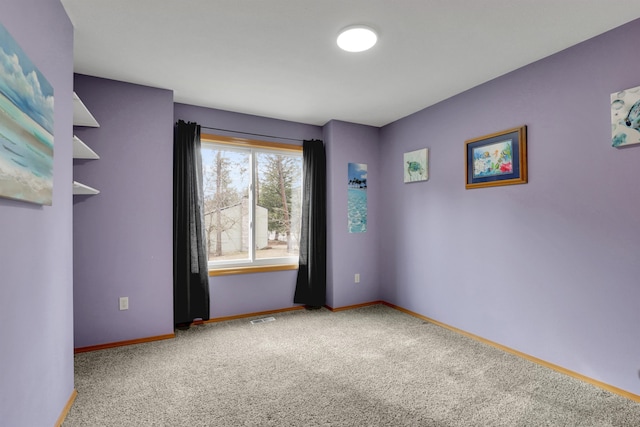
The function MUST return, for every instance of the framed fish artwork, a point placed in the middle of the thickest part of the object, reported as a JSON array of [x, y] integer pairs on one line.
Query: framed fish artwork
[[497, 159]]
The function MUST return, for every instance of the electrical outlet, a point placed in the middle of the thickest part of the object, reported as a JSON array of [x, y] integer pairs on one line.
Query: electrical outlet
[[357, 278], [124, 303]]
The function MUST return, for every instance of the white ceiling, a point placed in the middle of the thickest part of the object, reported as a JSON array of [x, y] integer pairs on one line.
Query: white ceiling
[[279, 58]]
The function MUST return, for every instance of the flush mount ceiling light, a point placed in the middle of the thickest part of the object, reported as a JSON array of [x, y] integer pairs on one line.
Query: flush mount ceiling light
[[357, 38]]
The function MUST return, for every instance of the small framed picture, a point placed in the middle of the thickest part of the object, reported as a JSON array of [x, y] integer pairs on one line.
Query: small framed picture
[[497, 159], [416, 165]]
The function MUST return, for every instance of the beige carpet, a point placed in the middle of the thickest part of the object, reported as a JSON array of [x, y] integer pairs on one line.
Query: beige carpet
[[372, 366]]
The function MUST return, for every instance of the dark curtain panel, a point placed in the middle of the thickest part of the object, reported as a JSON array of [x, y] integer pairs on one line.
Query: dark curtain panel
[[190, 271], [311, 285]]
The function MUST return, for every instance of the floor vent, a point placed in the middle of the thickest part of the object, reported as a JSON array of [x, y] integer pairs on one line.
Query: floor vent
[[263, 320]]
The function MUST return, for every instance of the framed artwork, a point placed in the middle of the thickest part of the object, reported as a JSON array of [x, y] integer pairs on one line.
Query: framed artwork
[[26, 126], [625, 117], [497, 159], [416, 165], [357, 198]]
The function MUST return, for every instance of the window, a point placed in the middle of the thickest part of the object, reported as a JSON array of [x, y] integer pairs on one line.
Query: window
[[252, 203]]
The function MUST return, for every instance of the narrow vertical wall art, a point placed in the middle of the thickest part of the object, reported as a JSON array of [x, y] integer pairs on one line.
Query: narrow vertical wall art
[[357, 198], [26, 126]]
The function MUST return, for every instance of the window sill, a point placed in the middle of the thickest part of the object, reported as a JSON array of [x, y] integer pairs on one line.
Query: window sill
[[252, 269]]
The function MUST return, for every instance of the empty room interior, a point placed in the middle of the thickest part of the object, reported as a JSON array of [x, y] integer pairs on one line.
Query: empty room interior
[[545, 266]]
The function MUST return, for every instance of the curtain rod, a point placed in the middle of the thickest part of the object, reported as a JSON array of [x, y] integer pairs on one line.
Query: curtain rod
[[253, 134]]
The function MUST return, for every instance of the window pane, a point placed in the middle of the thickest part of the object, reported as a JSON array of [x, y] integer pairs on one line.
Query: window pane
[[278, 204], [226, 184]]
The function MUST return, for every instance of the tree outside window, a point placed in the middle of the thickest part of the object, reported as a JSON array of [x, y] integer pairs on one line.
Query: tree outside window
[[252, 204]]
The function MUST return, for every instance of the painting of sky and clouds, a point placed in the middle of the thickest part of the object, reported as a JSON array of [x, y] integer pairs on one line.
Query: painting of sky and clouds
[[26, 126]]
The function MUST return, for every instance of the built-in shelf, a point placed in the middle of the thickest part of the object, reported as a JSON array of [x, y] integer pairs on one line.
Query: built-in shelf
[[82, 150], [81, 115], [81, 189]]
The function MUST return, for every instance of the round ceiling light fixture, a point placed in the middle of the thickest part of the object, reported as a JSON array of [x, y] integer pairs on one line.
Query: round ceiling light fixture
[[357, 38]]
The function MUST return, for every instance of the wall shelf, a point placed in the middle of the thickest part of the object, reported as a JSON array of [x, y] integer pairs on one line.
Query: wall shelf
[[82, 150], [82, 189], [81, 115]]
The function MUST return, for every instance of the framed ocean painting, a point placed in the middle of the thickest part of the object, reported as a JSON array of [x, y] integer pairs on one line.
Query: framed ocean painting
[[26, 126], [625, 117], [497, 159], [357, 198], [416, 165]]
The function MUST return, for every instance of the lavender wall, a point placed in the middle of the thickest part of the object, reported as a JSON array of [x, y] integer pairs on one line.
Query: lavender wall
[[36, 308], [551, 267], [351, 253], [248, 293], [123, 237]]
